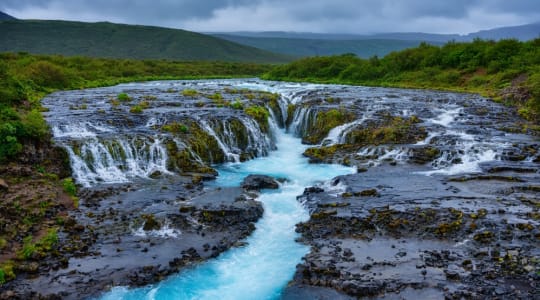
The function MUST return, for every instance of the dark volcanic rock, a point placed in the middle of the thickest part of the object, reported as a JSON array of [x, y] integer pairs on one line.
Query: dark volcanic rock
[[259, 182]]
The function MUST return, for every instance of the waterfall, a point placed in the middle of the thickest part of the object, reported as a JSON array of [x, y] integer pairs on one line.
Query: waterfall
[[116, 160]]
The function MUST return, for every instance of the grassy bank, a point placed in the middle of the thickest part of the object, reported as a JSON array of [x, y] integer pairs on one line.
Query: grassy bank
[[507, 71]]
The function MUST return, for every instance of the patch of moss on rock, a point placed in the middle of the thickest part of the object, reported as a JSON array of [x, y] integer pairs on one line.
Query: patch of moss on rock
[[323, 122]]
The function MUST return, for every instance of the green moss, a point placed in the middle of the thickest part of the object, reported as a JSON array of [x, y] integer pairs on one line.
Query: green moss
[[175, 127], [324, 122], [136, 109], [291, 108], [69, 186], [259, 114], [237, 105], [123, 97], [393, 130], [6, 272], [190, 93]]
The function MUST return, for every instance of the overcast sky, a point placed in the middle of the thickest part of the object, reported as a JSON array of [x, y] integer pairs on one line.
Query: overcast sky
[[336, 16]]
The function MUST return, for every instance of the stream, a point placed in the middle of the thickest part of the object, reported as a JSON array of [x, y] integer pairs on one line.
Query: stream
[[110, 146]]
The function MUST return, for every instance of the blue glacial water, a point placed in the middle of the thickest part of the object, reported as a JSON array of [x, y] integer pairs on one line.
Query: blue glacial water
[[261, 269]]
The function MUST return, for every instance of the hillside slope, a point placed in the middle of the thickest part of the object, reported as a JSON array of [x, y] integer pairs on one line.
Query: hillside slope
[[4, 16], [301, 47], [123, 41]]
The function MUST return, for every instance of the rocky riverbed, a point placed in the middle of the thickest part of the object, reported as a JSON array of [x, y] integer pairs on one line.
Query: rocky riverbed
[[132, 235], [443, 204]]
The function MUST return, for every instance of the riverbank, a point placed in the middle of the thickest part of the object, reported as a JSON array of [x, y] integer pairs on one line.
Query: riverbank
[[507, 71]]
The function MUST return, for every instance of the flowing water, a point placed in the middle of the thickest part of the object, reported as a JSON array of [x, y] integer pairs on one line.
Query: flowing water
[[108, 145], [261, 269]]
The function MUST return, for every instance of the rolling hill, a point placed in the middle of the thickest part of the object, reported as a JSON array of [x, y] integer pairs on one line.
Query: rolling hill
[[110, 40], [301, 47]]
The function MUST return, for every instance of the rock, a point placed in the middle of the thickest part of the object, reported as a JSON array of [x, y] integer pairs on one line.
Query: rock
[[150, 223], [258, 182], [3, 185], [313, 190], [423, 155], [155, 174]]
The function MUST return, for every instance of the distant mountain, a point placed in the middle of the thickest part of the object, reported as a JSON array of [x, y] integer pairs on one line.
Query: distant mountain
[[4, 16], [301, 44], [124, 41], [522, 32], [302, 47]]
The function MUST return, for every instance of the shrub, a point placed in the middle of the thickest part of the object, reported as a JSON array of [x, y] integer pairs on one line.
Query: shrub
[[34, 125]]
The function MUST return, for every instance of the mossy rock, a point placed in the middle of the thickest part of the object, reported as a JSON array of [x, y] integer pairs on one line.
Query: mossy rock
[[150, 223], [323, 122], [327, 153]]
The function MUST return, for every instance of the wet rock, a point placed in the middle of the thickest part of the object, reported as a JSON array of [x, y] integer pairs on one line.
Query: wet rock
[[258, 182], [150, 223]]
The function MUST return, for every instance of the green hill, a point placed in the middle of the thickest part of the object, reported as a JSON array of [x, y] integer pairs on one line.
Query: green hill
[[123, 41], [302, 47]]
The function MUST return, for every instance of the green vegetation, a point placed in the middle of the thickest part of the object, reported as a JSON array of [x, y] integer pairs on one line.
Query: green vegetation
[[69, 187], [324, 122], [25, 79], [237, 105], [394, 130], [30, 249], [124, 41], [260, 114], [508, 70], [123, 97], [175, 127], [189, 93]]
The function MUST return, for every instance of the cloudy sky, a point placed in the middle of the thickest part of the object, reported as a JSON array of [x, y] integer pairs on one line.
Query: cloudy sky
[[329, 16]]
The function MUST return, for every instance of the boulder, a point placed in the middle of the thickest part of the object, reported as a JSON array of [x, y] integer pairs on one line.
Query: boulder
[[258, 182]]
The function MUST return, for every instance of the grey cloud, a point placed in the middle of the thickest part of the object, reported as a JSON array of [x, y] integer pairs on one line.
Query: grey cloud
[[320, 15]]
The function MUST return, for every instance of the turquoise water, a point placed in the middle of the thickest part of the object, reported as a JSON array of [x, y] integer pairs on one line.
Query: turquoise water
[[261, 269]]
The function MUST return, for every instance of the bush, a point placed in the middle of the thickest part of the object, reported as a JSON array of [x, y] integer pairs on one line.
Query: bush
[[9, 144]]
